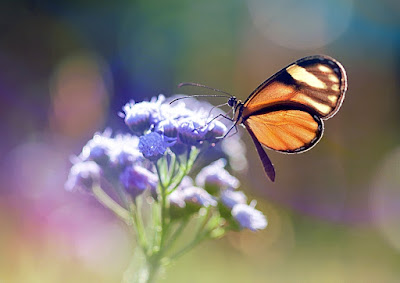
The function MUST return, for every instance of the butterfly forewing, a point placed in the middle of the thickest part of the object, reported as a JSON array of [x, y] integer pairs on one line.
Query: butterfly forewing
[[316, 82]]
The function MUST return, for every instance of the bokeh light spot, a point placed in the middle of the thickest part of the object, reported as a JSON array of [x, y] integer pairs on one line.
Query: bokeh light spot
[[80, 95], [385, 199], [301, 25]]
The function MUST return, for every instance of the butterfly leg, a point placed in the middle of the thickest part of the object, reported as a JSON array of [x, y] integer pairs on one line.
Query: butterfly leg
[[221, 115], [218, 106], [216, 117], [234, 126]]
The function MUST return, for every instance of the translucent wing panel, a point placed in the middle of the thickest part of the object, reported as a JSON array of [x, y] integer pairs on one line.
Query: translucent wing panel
[[288, 131]]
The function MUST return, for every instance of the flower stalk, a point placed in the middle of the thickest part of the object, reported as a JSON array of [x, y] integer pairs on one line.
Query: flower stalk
[[109, 203]]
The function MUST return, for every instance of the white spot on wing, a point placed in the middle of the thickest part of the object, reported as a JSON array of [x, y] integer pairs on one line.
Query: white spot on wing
[[322, 108], [332, 98], [300, 74], [333, 78], [324, 69]]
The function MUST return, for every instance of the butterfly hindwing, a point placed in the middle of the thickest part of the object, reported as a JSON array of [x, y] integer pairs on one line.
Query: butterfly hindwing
[[316, 82], [290, 130]]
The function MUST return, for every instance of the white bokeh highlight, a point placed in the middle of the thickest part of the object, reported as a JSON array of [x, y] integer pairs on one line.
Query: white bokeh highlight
[[301, 24]]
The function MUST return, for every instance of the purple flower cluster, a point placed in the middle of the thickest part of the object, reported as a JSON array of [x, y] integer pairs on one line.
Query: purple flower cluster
[[164, 131], [162, 125]]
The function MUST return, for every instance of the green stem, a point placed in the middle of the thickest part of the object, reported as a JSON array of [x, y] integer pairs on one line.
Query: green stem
[[153, 269], [126, 201], [169, 179], [155, 222], [108, 202], [176, 234], [138, 221], [194, 152], [206, 217], [190, 246], [172, 168], [184, 170], [163, 201], [201, 235]]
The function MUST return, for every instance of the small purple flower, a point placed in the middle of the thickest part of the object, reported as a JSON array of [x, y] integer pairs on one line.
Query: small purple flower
[[188, 199], [82, 176], [214, 177], [136, 179], [98, 148], [177, 197], [141, 117], [125, 152], [248, 217], [216, 129], [167, 128], [196, 197], [191, 131], [153, 145], [230, 198], [137, 119]]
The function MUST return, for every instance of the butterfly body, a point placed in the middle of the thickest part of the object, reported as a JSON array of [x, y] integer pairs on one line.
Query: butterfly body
[[286, 112]]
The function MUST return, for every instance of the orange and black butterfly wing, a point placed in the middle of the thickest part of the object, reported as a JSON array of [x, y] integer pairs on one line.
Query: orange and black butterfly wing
[[286, 128], [316, 82], [285, 112]]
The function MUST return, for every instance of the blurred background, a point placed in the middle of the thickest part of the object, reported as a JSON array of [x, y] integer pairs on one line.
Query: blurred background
[[67, 68]]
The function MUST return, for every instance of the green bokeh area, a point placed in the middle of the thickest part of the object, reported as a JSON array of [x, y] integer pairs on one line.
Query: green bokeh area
[[67, 68]]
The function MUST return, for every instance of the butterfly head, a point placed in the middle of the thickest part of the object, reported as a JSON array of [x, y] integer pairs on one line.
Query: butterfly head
[[232, 102]]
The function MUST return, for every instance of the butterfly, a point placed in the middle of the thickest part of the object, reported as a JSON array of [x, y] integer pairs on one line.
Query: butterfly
[[286, 112]]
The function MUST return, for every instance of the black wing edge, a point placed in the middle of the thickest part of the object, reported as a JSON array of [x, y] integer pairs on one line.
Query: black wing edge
[[267, 164]]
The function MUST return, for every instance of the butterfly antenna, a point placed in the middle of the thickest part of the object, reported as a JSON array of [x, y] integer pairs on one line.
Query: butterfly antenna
[[197, 95], [204, 86]]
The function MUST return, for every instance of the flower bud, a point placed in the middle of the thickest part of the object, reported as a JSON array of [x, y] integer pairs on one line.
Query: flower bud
[[191, 132], [248, 217], [167, 128], [139, 117], [125, 152], [153, 145], [98, 149], [196, 197], [228, 199], [214, 177], [216, 129], [82, 176], [136, 179]]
